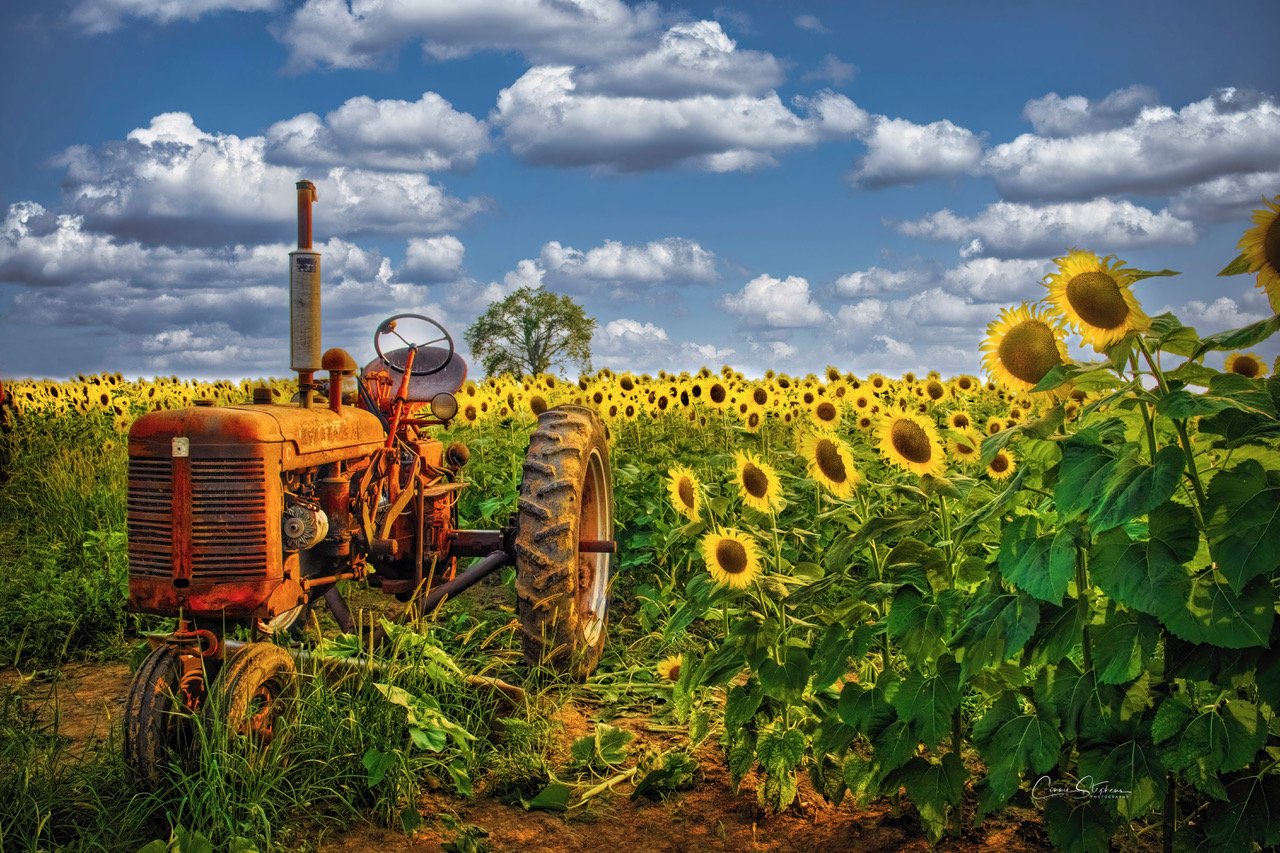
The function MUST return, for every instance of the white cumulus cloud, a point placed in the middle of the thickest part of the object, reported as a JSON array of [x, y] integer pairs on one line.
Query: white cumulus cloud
[[423, 135], [777, 303], [368, 33], [902, 152], [433, 258], [1007, 229], [1055, 116], [175, 183], [100, 16], [1161, 151]]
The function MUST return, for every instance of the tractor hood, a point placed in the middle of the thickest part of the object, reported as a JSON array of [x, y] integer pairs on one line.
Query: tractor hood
[[304, 436]]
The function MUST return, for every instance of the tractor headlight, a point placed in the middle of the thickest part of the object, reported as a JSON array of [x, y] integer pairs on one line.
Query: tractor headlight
[[444, 406]]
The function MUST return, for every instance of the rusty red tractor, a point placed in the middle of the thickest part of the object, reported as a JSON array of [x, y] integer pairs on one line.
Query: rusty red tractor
[[243, 517]]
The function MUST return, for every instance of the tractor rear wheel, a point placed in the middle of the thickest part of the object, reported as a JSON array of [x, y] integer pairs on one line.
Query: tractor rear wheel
[[566, 496], [158, 714], [253, 692]]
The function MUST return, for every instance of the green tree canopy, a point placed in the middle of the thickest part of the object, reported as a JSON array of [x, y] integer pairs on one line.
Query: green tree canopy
[[531, 331]]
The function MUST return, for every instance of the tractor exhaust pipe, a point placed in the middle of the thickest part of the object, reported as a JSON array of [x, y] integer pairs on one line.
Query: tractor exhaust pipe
[[304, 299]]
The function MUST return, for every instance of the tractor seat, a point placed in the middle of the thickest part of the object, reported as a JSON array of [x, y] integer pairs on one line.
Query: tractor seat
[[421, 388]]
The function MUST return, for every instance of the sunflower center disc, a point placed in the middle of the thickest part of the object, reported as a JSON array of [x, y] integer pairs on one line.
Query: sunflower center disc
[[761, 396], [911, 441], [1000, 464], [717, 393], [1246, 366], [829, 461], [960, 421], [1096, 297], [1029, 351], [755, 481], [1271, 244], [964, 449], [826, 412], [935, 390], [731, 556], [685, 490]]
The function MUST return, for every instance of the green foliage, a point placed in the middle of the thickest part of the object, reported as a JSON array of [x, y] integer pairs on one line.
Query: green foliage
[[532, 331]]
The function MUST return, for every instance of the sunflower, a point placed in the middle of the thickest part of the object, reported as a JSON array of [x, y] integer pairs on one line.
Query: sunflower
[[934, 390], [830, 463], [959, 420], [717, 394], [911, 442], [683, 488], [1094, 295], [994, 425], [1261, 247], [1022, 346], [1246, 364], [965, 445], [1001, 466], [825, 414], [732, 557], [669, 668], [758, 483]]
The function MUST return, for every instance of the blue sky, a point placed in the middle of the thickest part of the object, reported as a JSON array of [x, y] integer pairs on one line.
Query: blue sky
[[759, 184]]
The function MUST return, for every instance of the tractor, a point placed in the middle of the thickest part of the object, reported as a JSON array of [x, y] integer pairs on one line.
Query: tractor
[[241, 518]]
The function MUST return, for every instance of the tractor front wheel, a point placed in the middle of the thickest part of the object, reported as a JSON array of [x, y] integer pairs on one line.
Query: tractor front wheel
[[566, 496], [163, 696], [254, 691]]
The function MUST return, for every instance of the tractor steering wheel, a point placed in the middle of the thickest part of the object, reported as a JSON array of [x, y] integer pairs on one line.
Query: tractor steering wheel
[[433, 365]]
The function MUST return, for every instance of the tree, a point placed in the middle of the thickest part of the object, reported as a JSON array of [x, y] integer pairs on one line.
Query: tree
[[531, 332]]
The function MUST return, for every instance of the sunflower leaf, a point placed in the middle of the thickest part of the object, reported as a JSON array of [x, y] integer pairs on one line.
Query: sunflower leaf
[[1216, 615], [1133, 489], [1038, 565], [1138, 275], [1131, 765], [1013, 743], [1122, 645], [932, 787], [1239, 266], [1241, 338], [1249, 816], [1148, 576], [1079, 827], [928, 700], [865, 709], [1243, 516], [1215, 739]]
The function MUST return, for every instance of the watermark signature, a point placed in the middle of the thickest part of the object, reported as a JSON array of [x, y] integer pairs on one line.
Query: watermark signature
[[1084, 788]]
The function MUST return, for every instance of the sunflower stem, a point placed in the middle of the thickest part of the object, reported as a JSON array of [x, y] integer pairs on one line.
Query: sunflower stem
[[1183, 437], [1083, 603], [1145, 408]]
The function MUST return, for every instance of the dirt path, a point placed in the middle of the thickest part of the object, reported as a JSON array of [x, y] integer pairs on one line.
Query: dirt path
[[87, 699]]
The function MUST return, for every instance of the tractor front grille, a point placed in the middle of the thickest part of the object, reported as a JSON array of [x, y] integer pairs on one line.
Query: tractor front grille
[[228, 518], [226, 521], [150, 508]]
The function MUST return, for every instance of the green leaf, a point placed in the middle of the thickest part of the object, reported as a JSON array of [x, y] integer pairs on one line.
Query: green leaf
[[1133, 489], [1216, 615], [865, 709], [1138, 275], [999, 626], [1242, 338], [1226, 391], [1201, 743], [1086, 707], [1172, 336], [431, 739], [611, 743], [553, 798], [886, 528], [1250, 815], [742, 703], [928, 700], [932, 787], [742, 756], [1084, 470], [831, 657], [1148, 576], [1243, 517], [376, 765], [786, 680], [1064, 373], [920, 625], [1058, 632], [1079, 827], [1040, 566], [779, 750], [1132, 765], [1122, 645], [894, 747], [1239, 266], [1014, 744]]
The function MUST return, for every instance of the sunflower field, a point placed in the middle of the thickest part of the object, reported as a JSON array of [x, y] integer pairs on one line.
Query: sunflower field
[[1055, 587]]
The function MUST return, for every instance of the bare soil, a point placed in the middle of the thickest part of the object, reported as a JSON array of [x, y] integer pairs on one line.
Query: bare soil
[[86, 700]]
